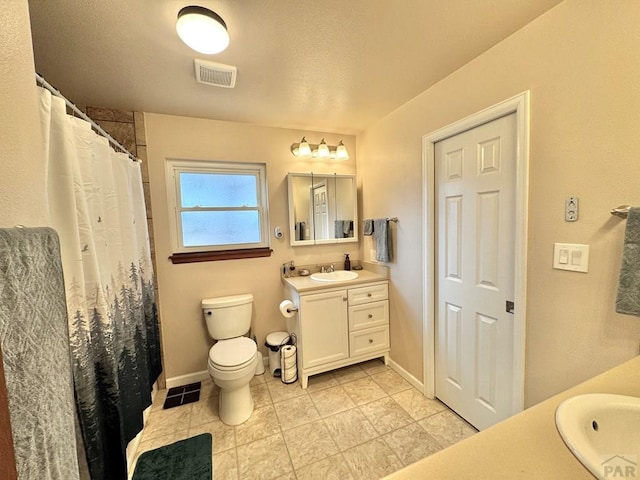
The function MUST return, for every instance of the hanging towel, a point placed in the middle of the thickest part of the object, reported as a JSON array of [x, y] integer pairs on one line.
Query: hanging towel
[[628, 299], [338, 229], [35, 344], [347, 226], [383, 239], [367, 227]]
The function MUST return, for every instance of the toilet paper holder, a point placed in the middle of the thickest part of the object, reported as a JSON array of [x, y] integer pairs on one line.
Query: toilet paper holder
[[287, 308]]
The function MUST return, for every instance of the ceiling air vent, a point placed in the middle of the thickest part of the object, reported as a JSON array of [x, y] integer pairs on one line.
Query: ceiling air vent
[[216, 74]]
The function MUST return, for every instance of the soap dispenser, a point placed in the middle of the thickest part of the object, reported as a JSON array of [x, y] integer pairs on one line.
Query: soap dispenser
[[347, 262]]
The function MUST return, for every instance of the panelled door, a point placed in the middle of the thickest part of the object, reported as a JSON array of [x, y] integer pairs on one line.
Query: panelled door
[[475, 234], [320, 211]]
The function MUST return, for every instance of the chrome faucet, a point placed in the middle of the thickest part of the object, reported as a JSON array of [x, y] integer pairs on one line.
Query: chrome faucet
[[326, 268]]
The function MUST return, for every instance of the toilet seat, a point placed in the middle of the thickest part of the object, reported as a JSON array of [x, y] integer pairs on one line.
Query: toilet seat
[[232, 354]]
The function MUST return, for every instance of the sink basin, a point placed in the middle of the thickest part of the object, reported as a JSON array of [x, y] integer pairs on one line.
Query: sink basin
[[603, 432], [337, 276]]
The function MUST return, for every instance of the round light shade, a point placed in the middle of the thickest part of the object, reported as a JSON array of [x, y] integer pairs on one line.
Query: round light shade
[[202, 29]]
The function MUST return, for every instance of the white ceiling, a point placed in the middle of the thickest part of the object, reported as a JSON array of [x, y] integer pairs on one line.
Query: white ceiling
[[330, 65]]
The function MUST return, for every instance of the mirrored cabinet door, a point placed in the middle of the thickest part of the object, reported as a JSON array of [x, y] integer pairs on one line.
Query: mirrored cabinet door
[[322, 208], [300, 209]]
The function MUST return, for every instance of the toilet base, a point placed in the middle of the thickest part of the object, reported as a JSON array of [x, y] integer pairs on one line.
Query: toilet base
[[236, 405]]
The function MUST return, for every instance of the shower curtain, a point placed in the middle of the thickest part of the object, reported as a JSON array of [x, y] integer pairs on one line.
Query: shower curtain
[[97, 207]]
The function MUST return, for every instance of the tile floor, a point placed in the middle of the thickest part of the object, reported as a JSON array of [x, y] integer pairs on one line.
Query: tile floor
[[359, 422]]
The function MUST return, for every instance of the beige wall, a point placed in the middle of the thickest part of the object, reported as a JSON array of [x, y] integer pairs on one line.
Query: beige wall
[[580, 62], [22, 192], [185, 339]]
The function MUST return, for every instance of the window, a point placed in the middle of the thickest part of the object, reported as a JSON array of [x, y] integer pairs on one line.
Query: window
[[217, 207]]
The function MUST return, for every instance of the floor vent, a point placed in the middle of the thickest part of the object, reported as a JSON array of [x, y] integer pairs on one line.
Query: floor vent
[[177, 396], [216, 74]]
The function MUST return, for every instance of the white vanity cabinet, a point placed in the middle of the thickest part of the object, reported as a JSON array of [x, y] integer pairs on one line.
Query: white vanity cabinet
[[336, 327]]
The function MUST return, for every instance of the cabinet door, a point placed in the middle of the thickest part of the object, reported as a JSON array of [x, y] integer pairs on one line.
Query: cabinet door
[[324, 328]]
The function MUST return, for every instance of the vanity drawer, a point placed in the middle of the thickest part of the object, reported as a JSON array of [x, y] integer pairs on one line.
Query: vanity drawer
[[368, 315], [369, 340], [372, 293]]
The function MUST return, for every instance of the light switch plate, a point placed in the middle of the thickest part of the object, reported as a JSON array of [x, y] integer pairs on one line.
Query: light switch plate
[[571, 256]]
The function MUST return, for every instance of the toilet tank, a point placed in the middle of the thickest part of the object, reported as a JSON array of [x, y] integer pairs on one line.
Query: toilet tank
[[228, 317]]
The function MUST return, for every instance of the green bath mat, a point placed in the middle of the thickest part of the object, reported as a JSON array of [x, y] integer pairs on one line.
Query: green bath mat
[[188, 459]]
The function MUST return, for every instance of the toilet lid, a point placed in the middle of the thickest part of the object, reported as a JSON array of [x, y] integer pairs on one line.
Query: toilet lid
[[232, 352]]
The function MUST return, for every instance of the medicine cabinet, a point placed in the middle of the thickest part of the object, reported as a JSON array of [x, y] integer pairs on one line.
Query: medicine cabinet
[[322, 208]]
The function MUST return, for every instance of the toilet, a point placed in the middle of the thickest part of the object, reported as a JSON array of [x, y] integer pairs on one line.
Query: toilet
[[234, 359]]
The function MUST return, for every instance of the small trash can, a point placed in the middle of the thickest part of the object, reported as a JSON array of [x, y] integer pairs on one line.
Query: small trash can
[[276, 340]]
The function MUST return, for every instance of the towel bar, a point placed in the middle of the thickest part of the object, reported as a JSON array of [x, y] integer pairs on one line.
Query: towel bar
[[622, 211]]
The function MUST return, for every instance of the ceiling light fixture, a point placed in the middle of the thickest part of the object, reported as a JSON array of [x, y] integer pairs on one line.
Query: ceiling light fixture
[[322, 151], [202, 30]]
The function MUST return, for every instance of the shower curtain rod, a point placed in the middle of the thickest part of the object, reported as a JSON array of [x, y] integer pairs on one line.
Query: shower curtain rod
[[41, 81]]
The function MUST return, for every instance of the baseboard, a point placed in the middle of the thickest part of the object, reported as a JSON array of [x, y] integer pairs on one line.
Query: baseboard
[[198, 376], [187, 379], [406, 375]]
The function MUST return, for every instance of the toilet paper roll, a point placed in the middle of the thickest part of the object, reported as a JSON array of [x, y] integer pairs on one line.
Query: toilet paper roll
[[287, 308], [288, 363]]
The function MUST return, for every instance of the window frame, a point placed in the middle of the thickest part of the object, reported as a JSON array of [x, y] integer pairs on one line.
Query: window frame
[[185, 254]]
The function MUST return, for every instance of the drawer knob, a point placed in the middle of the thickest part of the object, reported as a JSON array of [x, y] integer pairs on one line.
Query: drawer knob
[[371, 340], [369, 294], [370, 315]]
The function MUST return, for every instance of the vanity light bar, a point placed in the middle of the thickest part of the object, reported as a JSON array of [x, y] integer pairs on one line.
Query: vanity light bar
[[321, 151]]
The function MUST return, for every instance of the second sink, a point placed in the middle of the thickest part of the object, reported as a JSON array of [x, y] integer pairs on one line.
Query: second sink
[[337, 276], [600, 429]]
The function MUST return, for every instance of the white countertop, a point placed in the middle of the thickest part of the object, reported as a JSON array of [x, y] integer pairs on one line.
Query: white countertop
[[525, 446], [305, 284]]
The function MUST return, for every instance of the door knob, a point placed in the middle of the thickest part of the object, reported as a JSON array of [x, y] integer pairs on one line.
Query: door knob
[[370, 316], [371, 340]]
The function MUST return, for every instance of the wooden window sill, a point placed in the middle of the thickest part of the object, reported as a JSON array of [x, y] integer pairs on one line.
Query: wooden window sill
[[193, 257]]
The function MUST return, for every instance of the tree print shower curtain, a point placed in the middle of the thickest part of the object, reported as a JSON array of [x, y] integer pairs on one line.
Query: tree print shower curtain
[[96, 205]]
